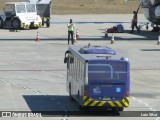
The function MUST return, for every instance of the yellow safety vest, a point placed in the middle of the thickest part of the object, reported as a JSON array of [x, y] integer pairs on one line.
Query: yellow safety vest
[[71, 27]]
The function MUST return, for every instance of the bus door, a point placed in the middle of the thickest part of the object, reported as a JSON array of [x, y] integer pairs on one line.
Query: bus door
[[108, 80]]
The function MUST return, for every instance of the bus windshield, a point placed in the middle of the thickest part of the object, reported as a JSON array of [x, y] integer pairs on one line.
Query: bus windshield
[[107, 70]]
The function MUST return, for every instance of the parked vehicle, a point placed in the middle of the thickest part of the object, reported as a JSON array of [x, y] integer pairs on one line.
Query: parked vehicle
[[20, 15], [97, 78]]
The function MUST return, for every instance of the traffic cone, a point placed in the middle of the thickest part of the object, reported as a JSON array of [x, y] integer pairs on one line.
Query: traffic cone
[[77, 34], [112, 39], [37, 38], [106, 33], [158, 40]]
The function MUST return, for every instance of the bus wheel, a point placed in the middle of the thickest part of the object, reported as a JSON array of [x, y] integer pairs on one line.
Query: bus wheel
[[1, 23], [81, 108], [70, 93]]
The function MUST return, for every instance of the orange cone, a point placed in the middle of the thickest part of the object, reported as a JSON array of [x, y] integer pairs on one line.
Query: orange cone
[[106, 33], [37, 38], [112, 39], [158, 40]]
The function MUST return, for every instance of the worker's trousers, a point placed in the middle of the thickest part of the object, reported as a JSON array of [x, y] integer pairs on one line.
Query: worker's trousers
[[70, 34]]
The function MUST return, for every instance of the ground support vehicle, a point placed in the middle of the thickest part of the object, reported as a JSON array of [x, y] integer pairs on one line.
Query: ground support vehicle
[[44, 8], [44, 11], [20, 15], [97, 77]]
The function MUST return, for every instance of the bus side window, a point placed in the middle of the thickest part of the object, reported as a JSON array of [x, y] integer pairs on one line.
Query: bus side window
[[71, 59], [77, 69], [71, 66], [82, 70]]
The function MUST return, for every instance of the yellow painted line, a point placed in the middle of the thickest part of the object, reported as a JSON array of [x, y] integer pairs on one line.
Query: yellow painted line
[[102, 103], [119, 104], [111, 103], [94, 103], [87, 102], [125, 103]]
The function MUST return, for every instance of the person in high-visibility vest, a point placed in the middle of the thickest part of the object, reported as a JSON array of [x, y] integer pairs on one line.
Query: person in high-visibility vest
[[71, 28], [134, 22]]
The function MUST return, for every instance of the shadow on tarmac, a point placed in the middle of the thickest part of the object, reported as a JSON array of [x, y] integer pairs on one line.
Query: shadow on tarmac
[[150, 50], [54, 105], [125, 36], [91, 38], [143, 35]]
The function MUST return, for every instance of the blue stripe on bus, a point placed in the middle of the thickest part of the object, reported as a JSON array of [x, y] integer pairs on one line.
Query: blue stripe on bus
[[99, 65], [120, 72]]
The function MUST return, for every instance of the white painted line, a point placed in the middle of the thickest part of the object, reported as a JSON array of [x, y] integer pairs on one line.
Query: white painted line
[[140, 101], [147, 105], [31, 67]]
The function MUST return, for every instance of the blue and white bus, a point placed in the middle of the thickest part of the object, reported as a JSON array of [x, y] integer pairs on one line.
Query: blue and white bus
[[97, 77]]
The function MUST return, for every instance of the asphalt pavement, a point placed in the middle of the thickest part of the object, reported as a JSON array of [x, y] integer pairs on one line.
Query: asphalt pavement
[[33, 75]]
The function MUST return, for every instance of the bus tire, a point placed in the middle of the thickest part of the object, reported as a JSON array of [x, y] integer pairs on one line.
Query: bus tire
[[70, 93], [16, 24], [1, 22], [81, 108]]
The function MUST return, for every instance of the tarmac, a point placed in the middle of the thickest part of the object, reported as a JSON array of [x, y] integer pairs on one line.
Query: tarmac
[[33, 75]]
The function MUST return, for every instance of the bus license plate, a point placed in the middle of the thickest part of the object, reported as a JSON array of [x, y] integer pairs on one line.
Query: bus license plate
[[107, 98]]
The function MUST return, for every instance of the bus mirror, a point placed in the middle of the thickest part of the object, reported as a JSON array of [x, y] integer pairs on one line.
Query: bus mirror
[[65, 59]]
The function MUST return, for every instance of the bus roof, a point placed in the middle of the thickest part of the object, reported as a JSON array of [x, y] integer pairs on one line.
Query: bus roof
[[97, 50], [94, 52], [17, 3]]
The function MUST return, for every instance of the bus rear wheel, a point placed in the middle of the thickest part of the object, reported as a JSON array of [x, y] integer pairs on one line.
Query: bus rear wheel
[[81, 108]]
